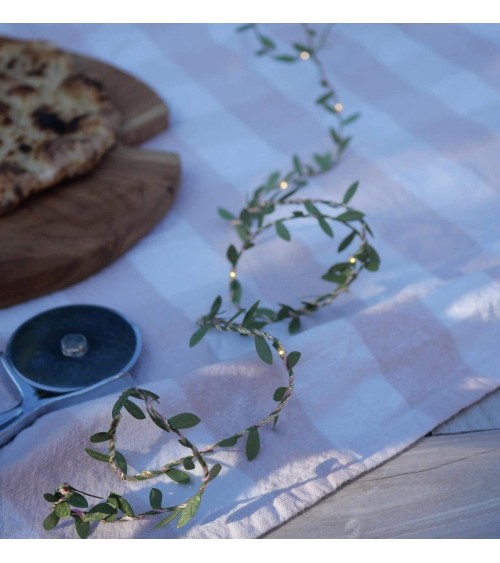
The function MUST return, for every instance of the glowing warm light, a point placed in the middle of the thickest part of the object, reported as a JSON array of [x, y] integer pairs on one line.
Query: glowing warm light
[[284, 185], [338, 107], [352, 260], [232, 274], [304, 55], [281, 352]]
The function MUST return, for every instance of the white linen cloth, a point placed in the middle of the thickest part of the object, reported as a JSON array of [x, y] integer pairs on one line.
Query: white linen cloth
[[405, 349]]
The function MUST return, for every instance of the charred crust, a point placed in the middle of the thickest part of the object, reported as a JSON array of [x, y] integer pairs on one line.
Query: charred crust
[[25, 147], [88, 81], [11, 168], [48, 120], [39, 70], [5, 118], [21, 90]]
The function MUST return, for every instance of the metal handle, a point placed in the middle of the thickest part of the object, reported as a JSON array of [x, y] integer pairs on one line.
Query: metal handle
[[33, 406], [17, 410]]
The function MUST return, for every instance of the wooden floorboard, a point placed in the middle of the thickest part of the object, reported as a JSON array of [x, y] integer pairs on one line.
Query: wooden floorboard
[[484, 415], [445, 486]]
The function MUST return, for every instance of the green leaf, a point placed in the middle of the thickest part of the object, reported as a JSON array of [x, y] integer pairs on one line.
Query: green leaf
[[235, 316], [172, 516], [349, 194], [253, 444], [97, 455], [99, 437], [343, 144], [279, 393], [225, 214], [297, 165], [244, 27], [286, 58], [62, 510], [284, 312], [312, 209], [183, 420], [216, 305], [325, 226], [272, 180], [125, 507], [138, 394], [351, 119], [282, 231], [245, 217], [301, 47], [50, 498], [134, 410], [294, 325], [267, 313], [325, 162], [267, 42], [190, 510], [263, 350], [347, 241], [214, 471], [269, 208], [158, 420], [322, 99], [335, 277], [78, 500], [188, 463], [250, 313], [350, 215], [337, 139], [178, 476], [232, 254], [311, 307], [198, 335], [228, 442], [100, 511], [235, 287], [155, 498], [119, 403], [243, 232], [82, 527], [51, 521], [292, 359], [370, 258], [275, 421], [121, 462]]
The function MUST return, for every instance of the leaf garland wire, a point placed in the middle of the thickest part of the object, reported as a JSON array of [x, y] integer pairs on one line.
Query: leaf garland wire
[[277, 192]]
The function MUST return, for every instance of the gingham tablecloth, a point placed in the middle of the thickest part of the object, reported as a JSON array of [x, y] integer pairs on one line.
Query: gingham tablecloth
[[405, 349]]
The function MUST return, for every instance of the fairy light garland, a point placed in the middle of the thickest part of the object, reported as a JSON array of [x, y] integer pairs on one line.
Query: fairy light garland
[[255, 218]]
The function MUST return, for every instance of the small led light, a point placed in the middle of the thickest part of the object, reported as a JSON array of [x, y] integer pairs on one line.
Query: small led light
[[281, 352], [232, 274], [338, 107], [352, 260], [284, 185], [304, 55]]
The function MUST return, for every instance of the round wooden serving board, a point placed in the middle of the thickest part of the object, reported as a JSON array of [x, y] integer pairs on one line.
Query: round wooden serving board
[[71, 231]]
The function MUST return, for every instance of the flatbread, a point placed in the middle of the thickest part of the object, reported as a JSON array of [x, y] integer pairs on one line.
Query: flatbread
[[55, 122]]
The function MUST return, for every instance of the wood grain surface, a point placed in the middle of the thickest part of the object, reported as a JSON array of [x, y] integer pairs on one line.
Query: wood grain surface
[[65, 234], [144, 113], [443, 487], [72, 231]]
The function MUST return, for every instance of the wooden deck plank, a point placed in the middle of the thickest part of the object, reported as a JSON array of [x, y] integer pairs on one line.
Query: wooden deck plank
[[443, 487], [484, 415]]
